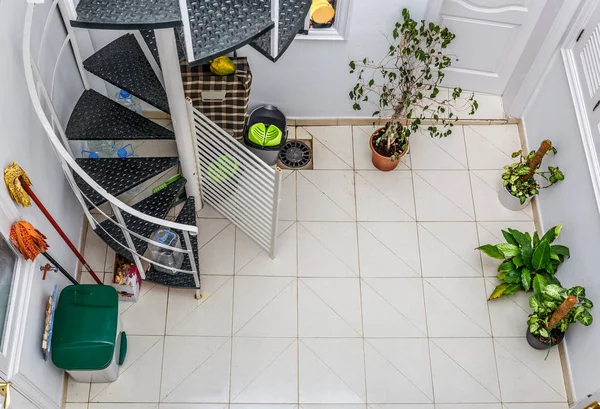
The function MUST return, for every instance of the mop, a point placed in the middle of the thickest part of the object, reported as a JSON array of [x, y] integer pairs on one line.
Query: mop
[[30, 242], [17, 183]]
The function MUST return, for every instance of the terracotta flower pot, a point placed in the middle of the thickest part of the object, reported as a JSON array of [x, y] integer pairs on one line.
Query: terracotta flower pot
[[383, 163]]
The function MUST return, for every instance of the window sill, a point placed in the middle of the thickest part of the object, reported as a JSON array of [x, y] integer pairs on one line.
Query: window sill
[[320, 34]]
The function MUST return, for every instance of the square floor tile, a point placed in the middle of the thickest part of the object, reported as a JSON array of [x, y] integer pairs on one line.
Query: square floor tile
[[491, 233], [393, 307], [76, 406], [485, 184], [139, 376], [456, 307], [564, 405], [105, 405], [192, 406], [78, 391], [508, 314], [400, 406], [332, 147], [265, 307], [388, 249], [264, 370], [326, 195], [526, 375], [443, 195], [438, 153], [469, 362], [362, 151], [332, 370], [327, 249], [398, 371], [384, 196], [329, 307], [209, 212], [252, 259], [209, 316], [448, 249], [491, 146], [147, 316], [196, 369], [216, 240], [470, 406], [287, 206]]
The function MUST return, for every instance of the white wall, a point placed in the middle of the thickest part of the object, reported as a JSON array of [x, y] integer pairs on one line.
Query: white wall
[[550, 115], [311, 80], [22, 139]]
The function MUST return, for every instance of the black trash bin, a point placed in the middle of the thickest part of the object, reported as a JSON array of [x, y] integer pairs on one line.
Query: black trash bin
[[267, 115]]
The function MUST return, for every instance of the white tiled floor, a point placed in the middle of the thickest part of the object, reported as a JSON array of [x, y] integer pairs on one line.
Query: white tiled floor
[[377, 298]]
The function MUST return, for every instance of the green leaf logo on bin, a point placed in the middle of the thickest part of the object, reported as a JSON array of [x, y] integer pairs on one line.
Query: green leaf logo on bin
[[261, 135], [222, 169]]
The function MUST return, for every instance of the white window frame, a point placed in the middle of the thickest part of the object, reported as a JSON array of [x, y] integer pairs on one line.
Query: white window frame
[[341, 25]]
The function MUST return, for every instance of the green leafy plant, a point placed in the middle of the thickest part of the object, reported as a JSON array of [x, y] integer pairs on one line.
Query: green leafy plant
[[525, 257], [519, 177], [405, 84], [555, 308]]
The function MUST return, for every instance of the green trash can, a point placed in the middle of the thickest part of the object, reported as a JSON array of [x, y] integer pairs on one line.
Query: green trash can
[[87, 340]]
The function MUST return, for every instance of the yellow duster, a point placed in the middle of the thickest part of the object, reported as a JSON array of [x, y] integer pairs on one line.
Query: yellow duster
[[13, 184]]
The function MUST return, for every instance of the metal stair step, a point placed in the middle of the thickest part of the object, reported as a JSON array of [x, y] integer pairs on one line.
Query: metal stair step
[[127, 14], [96, 117], [292, 14], [220, 27], [187, 215], [118, 175], [156, 205], [123, 64], [150, 40]]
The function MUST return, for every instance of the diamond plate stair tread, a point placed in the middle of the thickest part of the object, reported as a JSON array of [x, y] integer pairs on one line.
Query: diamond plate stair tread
[[220, 27], [127, 14], [187, 215], [118, 175], [96, 117], [150, 40], [156, 205], [292, 14], [123, 64]]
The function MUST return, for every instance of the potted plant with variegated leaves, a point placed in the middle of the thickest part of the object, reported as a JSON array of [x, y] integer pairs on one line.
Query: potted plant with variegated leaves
[[521, 180], [554, 309], [524, 256]]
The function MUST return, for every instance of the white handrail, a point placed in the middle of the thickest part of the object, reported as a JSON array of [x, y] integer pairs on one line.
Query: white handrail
[[60, 150]]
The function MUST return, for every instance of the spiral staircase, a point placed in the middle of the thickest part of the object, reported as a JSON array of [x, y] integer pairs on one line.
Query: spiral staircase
[[204, 29]]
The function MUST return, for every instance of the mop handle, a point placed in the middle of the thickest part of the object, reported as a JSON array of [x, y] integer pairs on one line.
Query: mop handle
[[62, 270], [60, 232]]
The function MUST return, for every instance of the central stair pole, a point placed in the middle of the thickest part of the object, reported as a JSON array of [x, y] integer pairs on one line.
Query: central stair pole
[[169, 60]]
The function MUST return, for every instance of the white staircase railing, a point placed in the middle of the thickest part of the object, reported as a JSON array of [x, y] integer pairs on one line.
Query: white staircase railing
[[236, 182], [38, 92]]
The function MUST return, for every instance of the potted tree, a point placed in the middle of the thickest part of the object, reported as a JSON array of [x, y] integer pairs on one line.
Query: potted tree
[[554, 309], [405, 88], [519, 179], [524, 258]]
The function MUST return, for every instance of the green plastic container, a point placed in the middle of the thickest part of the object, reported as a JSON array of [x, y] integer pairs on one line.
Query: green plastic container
[[86, 333]]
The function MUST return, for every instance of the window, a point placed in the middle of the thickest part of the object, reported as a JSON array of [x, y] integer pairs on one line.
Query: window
[[8, 264], [336, 29]]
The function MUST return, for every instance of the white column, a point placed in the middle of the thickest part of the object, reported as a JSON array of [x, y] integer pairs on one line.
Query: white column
[[169, 60]]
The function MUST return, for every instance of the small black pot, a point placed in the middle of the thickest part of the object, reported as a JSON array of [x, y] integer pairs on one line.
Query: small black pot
[[537, 344]]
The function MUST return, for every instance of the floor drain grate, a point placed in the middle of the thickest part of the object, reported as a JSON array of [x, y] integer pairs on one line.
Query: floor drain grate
[[295, 154]]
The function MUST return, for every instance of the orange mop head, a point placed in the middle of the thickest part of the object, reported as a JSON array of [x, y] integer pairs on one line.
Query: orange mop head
[[28, 240], [13, 184]]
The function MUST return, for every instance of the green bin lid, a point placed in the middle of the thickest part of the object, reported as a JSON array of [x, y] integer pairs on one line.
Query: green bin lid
[[85, 327]]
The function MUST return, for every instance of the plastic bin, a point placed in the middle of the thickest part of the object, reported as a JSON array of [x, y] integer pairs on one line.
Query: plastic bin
[[87, 339], [269, 115]]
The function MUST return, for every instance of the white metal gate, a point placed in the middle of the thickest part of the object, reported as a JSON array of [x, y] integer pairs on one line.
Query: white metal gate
[[236, 182]]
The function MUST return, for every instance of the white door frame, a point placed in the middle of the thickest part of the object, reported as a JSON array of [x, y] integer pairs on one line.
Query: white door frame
[[577, 94], [20, 298]]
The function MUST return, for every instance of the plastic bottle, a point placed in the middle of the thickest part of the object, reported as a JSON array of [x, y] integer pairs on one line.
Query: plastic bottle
[[98, 149], [165, 256], [127, 100]]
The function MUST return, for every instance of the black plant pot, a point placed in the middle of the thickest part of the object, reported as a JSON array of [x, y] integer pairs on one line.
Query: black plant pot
[[536, 343]]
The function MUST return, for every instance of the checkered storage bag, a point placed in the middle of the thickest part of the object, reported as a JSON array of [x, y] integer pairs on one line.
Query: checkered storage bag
[[224, 99]]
